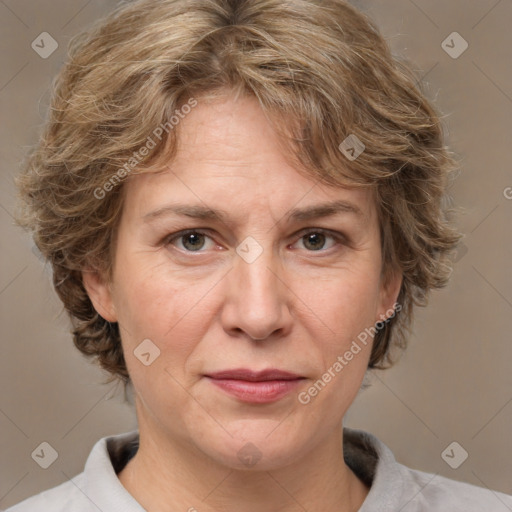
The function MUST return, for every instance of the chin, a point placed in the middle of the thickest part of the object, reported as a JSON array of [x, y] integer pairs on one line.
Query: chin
[[255, 445]]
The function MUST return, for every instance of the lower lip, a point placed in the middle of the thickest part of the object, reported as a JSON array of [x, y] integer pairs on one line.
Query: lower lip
[[256, 392]]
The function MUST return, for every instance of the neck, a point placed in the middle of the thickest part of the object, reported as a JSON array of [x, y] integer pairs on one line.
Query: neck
[[172, 475]]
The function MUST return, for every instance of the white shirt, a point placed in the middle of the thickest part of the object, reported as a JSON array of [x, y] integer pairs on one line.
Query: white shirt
[[394, 487]]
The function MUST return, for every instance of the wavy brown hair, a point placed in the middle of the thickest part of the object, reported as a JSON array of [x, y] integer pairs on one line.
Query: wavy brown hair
[[320, 71]]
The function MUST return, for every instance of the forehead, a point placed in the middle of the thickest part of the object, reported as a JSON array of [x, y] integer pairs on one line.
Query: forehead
[[229, 156]]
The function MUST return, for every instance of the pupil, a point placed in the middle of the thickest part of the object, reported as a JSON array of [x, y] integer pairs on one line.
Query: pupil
[[195, 239], [318, 237]]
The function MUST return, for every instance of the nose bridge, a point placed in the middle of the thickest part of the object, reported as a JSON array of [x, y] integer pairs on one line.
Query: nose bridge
[[256, 269], [258, 297]]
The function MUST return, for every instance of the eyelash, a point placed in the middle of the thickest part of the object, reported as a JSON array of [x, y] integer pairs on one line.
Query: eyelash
[[338, 237]]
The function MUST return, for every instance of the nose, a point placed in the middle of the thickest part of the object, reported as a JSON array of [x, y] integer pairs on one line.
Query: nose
[[258, 299]]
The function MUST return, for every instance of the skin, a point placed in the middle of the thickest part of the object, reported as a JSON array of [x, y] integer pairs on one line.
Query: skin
[[293, 308]]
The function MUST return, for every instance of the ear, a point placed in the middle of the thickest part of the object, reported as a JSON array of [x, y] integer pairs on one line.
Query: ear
[[389, 291], [100, 293]]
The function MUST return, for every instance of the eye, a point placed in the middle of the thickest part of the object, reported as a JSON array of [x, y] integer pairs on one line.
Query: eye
[[197, 240], [315, 239], [192, 240]]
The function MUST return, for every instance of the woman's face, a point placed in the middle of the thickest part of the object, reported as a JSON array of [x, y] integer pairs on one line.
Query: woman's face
[[267, 278]]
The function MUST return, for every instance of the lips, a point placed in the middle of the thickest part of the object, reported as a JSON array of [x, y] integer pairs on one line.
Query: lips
[[255, 386], [252, 376]]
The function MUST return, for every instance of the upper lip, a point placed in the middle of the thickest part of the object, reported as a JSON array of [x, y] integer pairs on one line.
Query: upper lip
[[254, 376]]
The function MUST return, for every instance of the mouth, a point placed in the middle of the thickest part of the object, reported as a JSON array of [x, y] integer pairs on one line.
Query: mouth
[[255, 386]]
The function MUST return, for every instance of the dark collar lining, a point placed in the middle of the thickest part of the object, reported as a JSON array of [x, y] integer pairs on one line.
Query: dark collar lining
[[121, 453], [360, 455], [358, 452]]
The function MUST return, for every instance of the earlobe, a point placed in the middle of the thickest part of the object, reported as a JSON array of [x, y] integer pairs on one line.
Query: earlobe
[[100, 294], [389, 294]]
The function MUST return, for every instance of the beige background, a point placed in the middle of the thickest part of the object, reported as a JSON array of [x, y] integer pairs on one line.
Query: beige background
[[453, 384]]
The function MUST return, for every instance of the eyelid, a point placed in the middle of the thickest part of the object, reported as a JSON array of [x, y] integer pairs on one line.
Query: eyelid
[[334, 234]]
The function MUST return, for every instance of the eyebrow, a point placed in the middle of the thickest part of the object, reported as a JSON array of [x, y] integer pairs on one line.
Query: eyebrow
[[325, 210], [296, 214]]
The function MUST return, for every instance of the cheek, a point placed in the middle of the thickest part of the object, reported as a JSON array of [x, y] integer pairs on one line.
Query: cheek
[[165, 307], [347, 303], [168, 314], [145, 298], [347, 308]]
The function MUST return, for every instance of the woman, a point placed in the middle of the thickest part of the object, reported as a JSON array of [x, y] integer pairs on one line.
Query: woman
[[240, 224]]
